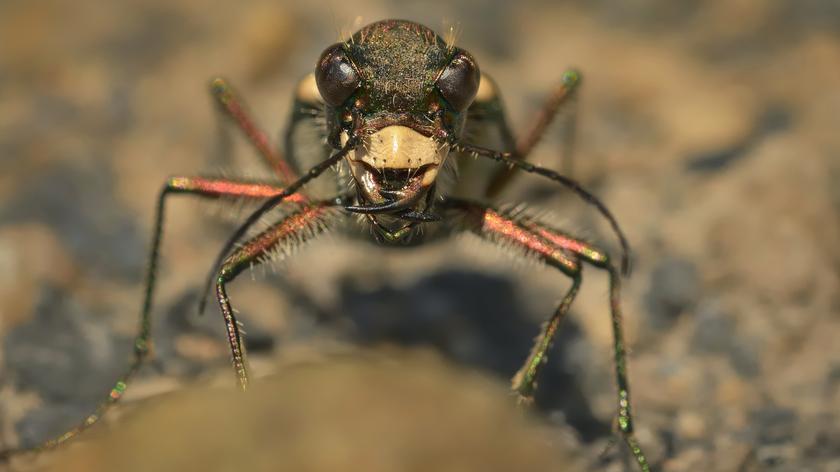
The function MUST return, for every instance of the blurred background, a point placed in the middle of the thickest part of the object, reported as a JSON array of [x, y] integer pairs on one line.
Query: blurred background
[[708, 128]]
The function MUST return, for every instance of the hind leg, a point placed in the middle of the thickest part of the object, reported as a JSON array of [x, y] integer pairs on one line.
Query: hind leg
[[488, 108], [232, 106]]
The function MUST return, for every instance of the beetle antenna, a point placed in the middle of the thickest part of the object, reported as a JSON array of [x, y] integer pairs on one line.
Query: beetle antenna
[[265, 208], [507, 159]]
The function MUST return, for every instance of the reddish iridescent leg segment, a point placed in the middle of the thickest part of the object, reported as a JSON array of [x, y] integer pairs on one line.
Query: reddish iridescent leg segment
[[233, 106], [279, 238], [199, 186], [559, 97], [571, 184], [601, 260], [565, 253]]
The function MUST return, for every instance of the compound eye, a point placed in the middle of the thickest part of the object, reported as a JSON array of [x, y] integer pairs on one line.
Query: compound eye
[[335, 76], [458, 83]]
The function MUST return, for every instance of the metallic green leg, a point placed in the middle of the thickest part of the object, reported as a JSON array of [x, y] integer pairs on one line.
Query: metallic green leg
[[601, 260], [563, 252], [199, 186], [625, 414], [524, 382]]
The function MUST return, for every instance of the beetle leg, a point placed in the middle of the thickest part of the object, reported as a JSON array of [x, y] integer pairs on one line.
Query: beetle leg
[[562, 95], [199, 186], [270, 204], [281, 237], [521, 148], [209, 187], [565, 253], [499, 228], [571, 184], [524, 382], [600, 259], [230, 103]]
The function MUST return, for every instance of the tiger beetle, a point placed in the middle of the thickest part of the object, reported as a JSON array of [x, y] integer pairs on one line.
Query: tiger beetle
[[394, 102]]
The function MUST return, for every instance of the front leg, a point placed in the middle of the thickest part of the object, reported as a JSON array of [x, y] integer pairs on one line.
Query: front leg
[[279, 239]]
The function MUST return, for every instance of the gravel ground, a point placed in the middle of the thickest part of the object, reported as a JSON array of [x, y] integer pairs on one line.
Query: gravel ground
[[708, 128]]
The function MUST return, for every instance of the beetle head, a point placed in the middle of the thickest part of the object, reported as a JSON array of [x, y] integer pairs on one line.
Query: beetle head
[[401, 92]]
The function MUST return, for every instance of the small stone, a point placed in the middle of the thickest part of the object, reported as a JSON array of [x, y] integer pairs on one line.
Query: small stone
[[674, 288], [713, 329], [774, 425]]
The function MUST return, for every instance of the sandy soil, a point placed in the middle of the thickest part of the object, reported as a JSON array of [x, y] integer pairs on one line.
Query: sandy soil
[[708, 128]]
